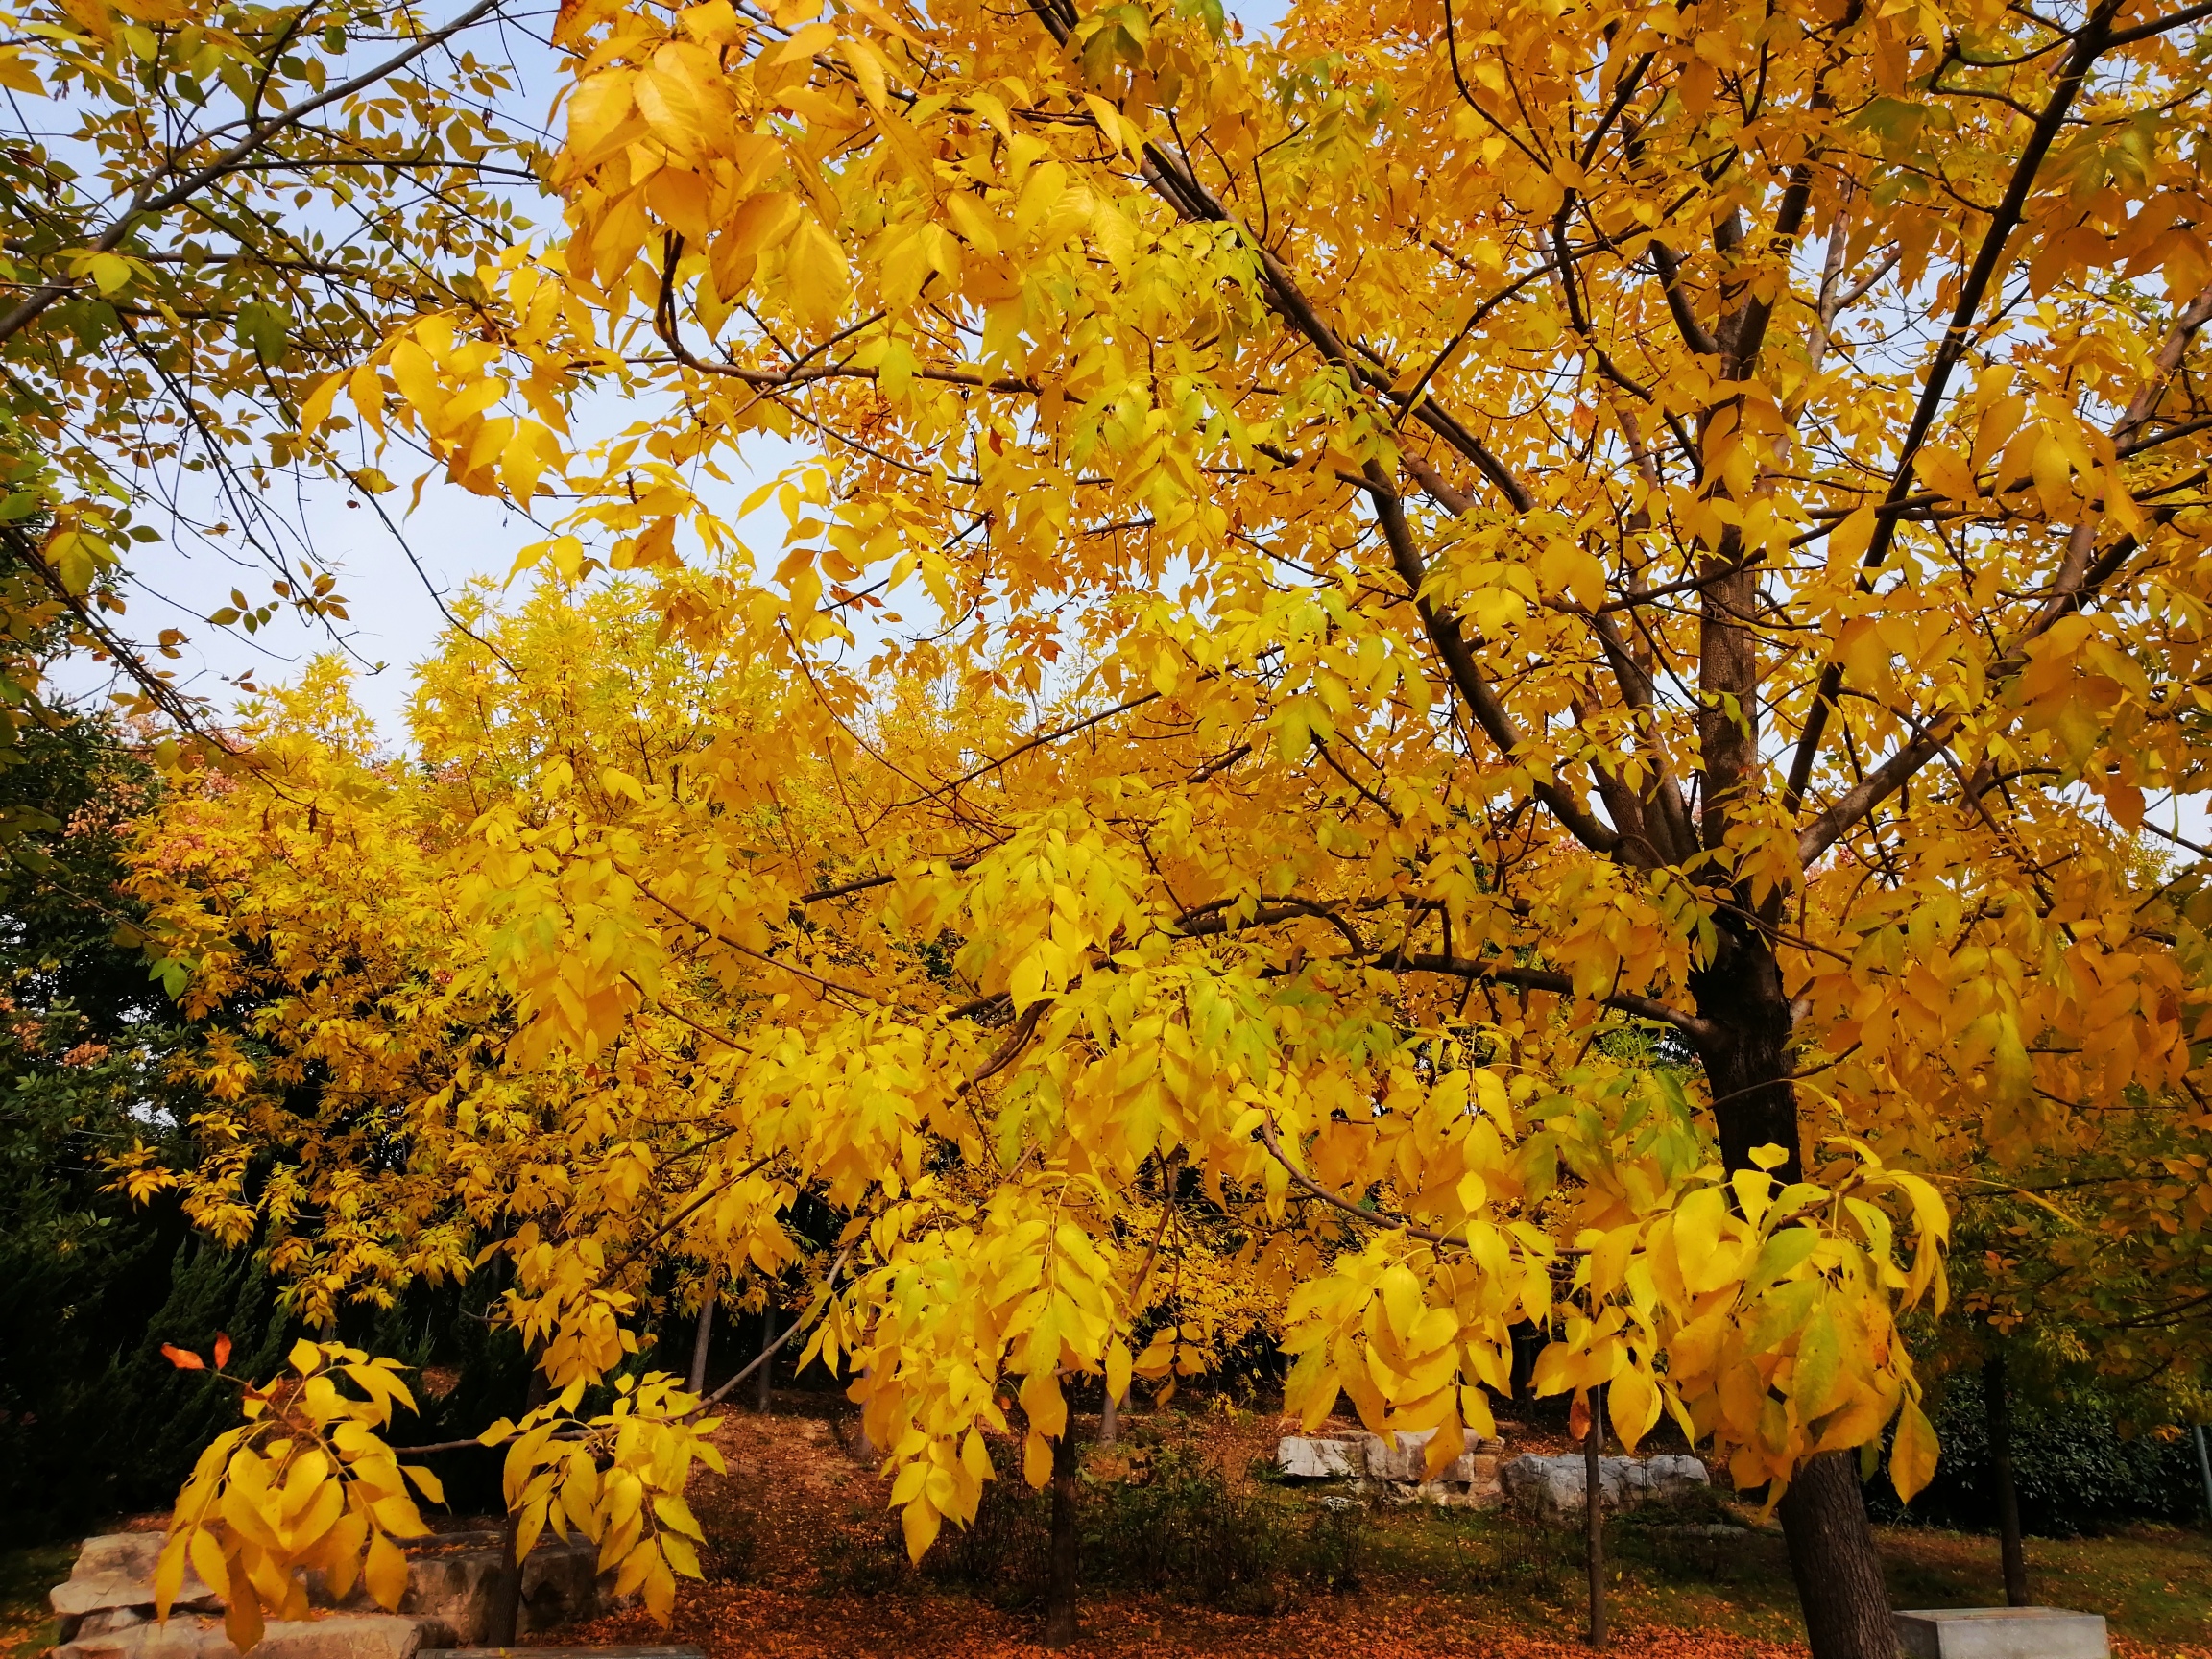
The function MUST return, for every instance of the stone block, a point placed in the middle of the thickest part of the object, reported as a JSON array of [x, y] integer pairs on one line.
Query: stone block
[[1310, 1459], [560, 1586], [1397, 1471], [1553, 1487], [340, 1636], [450, 1579], [115, 1575], [2001, 1633], [1406, 1462], [185, 1636]]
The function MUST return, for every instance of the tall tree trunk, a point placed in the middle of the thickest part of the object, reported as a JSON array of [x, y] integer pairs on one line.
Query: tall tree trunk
[[863, 1447], [1060, 1569], [1833, 1556], [1997, 1407], [1593, 1514], [1109, 1420], [706, 1332], [503, 1610], [767, 1364]]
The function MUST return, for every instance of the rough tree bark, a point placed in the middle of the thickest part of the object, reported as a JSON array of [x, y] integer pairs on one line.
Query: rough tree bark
[[1593, 1513], [706, 1332], [1109, 1420], [1833, 1555], [767, 1343], [1060, 1628], [1997, 1408]]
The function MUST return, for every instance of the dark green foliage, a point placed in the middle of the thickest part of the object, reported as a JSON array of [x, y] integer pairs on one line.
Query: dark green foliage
[[2074, 1470], [93, 1422], [466, 1373], [96, 1423], [84, 1276], [1507, 1552], [1186, 1532], [1002, 1554], [1333, 1553], [1182, 1531], [879, 1565]]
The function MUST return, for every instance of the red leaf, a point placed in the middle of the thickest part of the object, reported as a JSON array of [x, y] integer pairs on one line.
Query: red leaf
[[222, 1349], [183, 1359]]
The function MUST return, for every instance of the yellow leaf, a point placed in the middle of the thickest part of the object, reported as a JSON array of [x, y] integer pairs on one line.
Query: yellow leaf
[[1036, 1462], [169, 1570], [1847, 544], [386, 1572], [1913, 1452], [242, 1614], [816, 274], [920, 1522], [805, 43], [1046, 1406], [18, 76], [1632, 1401]]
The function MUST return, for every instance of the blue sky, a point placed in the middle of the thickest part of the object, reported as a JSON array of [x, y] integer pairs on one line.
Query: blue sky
[[451, 538]]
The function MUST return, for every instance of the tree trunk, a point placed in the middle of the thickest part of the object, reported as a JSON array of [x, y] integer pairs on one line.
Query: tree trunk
[[1833, 1556], [1109, 1420], [706, 1332], [1593, 1514], [864, 1448], [767, 1364], [1060, 1571], [1747, 1056], [503, 1611], [1997, 1406]]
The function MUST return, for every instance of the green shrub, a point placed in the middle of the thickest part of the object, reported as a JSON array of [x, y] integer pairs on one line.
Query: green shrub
[[2072, 1469], [1182, 1532], [1186, 1533]]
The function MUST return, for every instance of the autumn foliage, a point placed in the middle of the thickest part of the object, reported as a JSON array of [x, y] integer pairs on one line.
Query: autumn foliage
[[1489, 666]]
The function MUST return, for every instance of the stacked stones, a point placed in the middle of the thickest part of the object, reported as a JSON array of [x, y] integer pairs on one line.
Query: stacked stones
[[1396, 1472], [1551, 1487], [107, 1605]]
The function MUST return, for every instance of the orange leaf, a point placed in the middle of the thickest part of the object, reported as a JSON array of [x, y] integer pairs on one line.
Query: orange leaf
[[183, 1359]]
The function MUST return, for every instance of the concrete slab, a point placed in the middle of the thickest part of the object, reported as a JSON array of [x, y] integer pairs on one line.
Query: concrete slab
[[2001, 1633]]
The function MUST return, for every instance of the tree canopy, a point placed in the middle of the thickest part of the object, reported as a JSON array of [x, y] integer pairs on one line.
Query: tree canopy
[[206, 209], [1537, 639]]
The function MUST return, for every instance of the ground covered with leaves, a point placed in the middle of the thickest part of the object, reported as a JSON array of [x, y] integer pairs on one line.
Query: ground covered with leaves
[[1191, 1550]]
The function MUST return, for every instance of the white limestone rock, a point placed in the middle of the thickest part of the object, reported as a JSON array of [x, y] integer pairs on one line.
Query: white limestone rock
[[1554, 1487], [1301, 1458], [1397, 1471], [1402, 1470]]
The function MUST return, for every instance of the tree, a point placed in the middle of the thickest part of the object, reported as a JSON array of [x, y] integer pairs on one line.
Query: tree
[[1471, 538], [206, 208], [92, 1422], [2081, 1278]]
